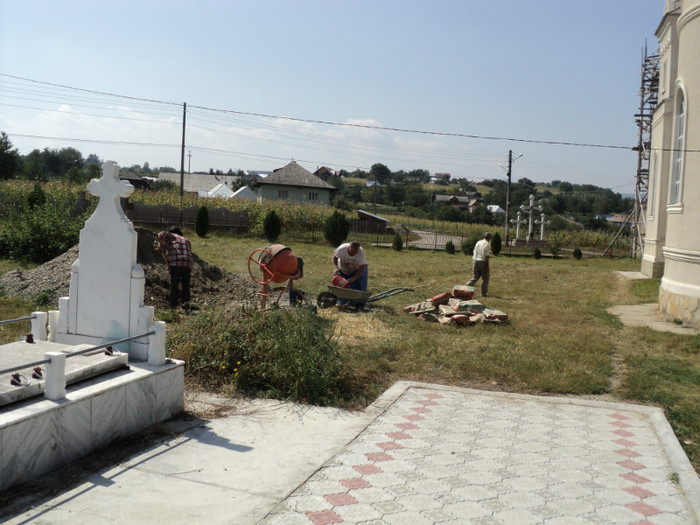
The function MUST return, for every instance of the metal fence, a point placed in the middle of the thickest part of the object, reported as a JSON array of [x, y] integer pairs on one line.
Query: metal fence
[[165, 214]]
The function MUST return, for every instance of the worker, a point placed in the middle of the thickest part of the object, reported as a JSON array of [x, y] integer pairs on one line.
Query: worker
[[177, 252], [480, 264], [350, 263]]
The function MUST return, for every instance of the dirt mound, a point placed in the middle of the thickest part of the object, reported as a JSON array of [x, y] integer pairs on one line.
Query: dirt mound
[[209, 282]]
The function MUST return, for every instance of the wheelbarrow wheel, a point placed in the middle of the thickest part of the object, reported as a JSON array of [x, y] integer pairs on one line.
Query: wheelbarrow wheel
[[326, 300]]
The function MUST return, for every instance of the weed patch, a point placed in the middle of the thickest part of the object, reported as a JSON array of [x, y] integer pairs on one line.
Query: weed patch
[[280, 353]]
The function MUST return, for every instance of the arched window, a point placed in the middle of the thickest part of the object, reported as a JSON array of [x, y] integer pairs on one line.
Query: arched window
[[678, 147]]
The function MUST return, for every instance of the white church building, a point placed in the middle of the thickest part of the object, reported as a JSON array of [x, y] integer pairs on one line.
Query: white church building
[[672, 238]]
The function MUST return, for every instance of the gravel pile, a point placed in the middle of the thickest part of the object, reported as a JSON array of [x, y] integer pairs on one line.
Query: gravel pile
[[209, 282]]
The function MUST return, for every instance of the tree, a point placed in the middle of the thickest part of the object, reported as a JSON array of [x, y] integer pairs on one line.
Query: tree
[[272, 226], [380, 173], [201, 221], [337, 228], [10, 159]]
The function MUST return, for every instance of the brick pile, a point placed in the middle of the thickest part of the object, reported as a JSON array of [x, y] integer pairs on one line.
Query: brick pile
[[456, 308]]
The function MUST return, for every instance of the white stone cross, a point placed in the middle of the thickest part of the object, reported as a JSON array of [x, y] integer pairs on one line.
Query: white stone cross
[[107, 284], [542, 222], [518, 221], [530, 211]]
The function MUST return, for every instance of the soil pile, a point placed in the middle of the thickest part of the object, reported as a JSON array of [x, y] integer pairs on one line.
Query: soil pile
[[209, 282]]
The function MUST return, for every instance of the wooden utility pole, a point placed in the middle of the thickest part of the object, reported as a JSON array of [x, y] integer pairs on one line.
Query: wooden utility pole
[[182, 160], [510, 165]]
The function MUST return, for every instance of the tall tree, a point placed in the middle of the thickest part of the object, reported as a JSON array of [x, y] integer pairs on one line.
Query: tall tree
[[10, 159], [380, 173]]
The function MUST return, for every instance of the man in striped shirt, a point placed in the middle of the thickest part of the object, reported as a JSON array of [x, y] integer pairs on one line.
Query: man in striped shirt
[[177, 252]]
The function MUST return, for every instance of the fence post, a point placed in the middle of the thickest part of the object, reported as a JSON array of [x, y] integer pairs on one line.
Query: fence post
[[53, 324], [39, 325], [55, 376]]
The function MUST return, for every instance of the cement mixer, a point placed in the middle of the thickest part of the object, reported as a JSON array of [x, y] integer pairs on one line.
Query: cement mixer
[[277, 264]]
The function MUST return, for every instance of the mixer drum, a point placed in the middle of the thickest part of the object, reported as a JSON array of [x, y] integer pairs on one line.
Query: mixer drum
[[281, 262]]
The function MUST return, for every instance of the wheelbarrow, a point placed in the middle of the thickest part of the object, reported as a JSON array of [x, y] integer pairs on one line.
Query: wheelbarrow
[[330, 298]]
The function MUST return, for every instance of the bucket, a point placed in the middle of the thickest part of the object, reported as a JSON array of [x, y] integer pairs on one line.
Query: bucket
[[340, 282]]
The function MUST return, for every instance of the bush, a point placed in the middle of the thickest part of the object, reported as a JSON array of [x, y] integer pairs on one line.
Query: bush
[[397, 243], [272, 226], [280, 353], [337, 228], [555, 248], [578, 253], [496, 243], [40, 234], [537, 253], [450, 247], [468, 245], [36, 197], [201, 221]]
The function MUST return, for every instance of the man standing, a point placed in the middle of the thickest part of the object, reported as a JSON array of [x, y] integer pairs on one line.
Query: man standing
[[350, 263], [480, 268], [177, 252]]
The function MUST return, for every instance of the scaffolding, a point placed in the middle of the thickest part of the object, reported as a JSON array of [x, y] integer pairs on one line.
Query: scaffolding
[[649, 93]]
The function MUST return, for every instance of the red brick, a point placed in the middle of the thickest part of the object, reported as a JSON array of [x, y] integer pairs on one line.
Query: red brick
[[324, 517], [379, 456], [632, 465], [341, 499], [399, 435], [368, 469], [628, 453], [640, 492], [643, 508], [355, 483], [389, 445], [634, 478]]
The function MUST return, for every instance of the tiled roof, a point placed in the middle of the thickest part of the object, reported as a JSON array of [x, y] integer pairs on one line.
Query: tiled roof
[[294, 175]]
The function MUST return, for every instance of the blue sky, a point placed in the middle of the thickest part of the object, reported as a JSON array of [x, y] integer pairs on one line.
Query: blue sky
[[535, 70]]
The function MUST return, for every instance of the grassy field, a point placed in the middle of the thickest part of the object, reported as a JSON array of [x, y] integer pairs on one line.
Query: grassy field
[[560, 339]]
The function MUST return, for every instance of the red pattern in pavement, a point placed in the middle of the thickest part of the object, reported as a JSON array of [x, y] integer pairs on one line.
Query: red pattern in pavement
[[355, 483], [338, 500], [324, 517]]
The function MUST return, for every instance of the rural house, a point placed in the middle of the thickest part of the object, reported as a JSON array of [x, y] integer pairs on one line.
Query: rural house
[[293, 183]]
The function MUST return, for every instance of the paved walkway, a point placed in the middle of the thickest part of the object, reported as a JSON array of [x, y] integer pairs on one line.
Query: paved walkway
[[443, 455], [421, 454]]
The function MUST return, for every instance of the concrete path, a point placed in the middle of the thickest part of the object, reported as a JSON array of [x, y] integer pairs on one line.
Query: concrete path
[[421, 454]]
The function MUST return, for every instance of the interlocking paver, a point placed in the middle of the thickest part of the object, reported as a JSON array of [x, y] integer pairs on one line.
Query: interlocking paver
[[446, 455]]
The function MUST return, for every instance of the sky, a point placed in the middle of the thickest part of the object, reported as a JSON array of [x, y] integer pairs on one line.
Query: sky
[[450, 86]]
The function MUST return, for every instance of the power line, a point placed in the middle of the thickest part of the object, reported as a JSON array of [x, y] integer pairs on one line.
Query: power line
[[332, 123]]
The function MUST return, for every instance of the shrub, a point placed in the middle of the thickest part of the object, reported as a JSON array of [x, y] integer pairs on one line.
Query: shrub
[[578, 253], [450, 247], [40, 234], [468, 245], [496, 243], [537, 253], [281, 353], [201, 221], [36, 197], [272, 226], [397, 243], [555, 248], [337, 228]]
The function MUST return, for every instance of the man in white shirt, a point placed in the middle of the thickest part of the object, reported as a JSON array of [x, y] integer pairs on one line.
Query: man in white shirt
[[350, 263], [480, 267]]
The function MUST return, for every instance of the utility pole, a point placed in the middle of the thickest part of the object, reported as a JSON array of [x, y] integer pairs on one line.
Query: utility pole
[[510, 166], [182, 159], [189, 161]]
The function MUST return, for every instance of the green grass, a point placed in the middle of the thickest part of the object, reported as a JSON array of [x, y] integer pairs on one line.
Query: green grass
[[560, 339]]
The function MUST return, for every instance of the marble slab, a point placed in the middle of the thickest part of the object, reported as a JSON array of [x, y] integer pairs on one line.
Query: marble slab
[[78, 368]]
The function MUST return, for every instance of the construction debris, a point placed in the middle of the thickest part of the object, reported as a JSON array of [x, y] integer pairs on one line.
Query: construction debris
[[456, 308]]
